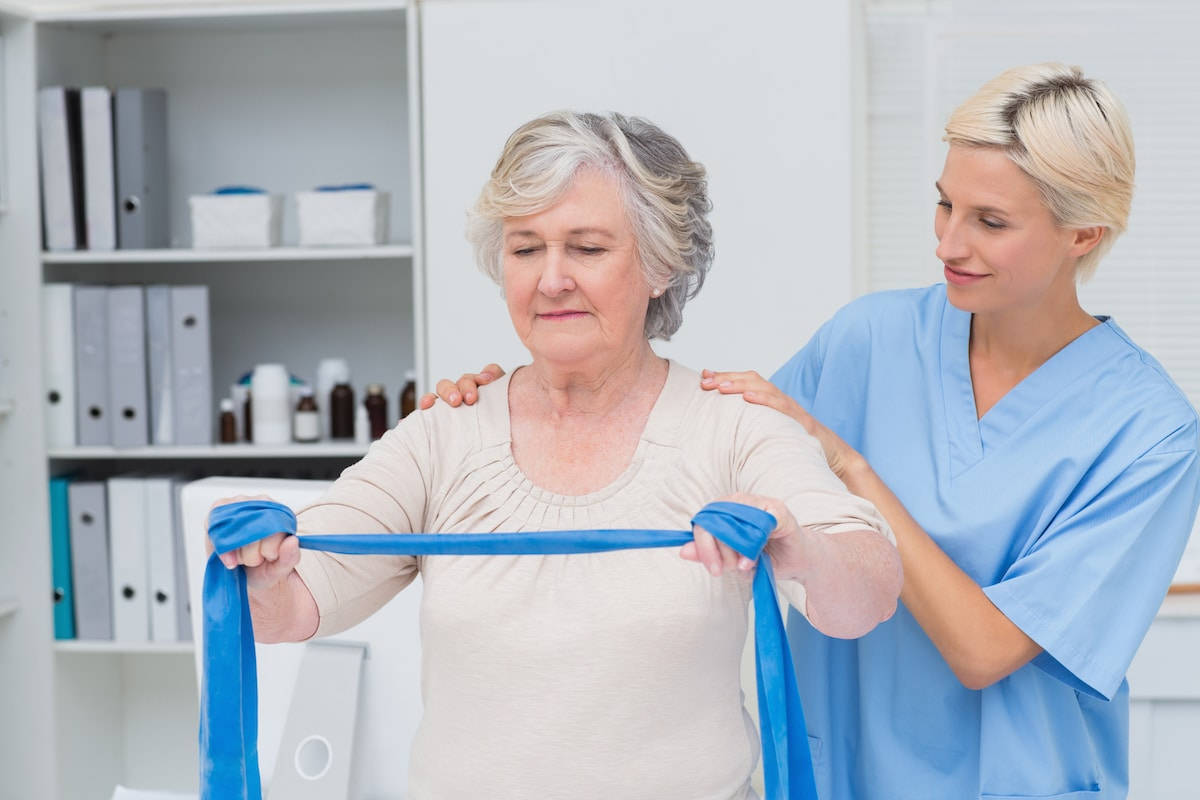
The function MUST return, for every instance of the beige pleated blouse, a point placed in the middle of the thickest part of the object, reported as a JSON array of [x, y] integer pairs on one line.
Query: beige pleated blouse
[[611, 676]]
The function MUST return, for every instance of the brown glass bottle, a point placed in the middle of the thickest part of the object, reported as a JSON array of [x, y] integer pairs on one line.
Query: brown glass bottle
[[247, 415], [341, 412], [408, 395], [376, 403], [228, 422]]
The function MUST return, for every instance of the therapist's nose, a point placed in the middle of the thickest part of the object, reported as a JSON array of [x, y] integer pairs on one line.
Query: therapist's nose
[[556, 272], [952, 239]]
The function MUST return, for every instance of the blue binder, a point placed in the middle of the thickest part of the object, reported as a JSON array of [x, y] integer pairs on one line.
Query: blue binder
[[60, 546]]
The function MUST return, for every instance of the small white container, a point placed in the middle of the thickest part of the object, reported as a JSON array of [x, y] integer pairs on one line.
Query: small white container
[[270, 405], [236, 220], [344, 217]]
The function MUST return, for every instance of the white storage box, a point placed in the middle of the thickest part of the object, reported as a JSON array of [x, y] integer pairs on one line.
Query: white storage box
[[345, 217], [236, 220]]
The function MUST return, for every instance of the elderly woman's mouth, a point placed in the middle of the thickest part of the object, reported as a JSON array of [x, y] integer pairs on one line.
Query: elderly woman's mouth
[[558, 316]]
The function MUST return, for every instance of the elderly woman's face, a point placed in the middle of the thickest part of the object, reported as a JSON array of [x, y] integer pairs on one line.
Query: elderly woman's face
[[572, 280]]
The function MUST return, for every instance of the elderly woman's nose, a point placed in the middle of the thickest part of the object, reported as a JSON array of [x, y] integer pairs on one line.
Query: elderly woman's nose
[[556, 272]]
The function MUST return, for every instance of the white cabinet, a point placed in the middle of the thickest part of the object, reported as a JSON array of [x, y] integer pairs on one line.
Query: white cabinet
[[1164, 691], [283, 98]]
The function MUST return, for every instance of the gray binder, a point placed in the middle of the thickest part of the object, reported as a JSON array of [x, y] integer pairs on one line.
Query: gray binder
[[89, 560], [127, 366], [141, 124], [91, 365], [191, 362], [158, 358]]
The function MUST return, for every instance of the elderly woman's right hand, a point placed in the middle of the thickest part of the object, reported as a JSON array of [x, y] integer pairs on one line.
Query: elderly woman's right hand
[[268, 561], [465, 390]]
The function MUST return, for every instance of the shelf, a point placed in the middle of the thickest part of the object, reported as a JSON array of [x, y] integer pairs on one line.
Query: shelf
[[124, 648], [243, 16], [216, 451], [265, 254], [8, 605]]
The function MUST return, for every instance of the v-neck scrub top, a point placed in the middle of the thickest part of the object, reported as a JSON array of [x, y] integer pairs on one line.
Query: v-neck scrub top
[[1070, 502], [605, 676]]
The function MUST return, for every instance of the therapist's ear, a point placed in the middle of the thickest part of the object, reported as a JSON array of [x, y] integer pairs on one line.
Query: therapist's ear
[[1086, 240]]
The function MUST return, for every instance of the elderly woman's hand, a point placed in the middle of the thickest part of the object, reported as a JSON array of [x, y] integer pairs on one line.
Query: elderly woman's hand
[[717, 556], [268, 561], [465, 390], [754, 388]]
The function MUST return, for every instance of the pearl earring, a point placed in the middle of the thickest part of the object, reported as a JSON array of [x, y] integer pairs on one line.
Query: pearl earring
[[656, 292]]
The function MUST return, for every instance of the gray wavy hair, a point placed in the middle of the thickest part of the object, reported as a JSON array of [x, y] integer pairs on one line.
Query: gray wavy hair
[[665, 194]]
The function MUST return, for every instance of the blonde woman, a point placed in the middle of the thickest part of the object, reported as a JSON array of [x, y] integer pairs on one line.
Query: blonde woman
[[611, 675], [1039, 470]]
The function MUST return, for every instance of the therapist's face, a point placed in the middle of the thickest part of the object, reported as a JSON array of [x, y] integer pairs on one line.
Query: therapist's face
[[1000, 246], [572, 278]]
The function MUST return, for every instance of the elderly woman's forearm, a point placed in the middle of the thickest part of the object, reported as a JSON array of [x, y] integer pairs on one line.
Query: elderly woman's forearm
[[852, 581], [285, 612]]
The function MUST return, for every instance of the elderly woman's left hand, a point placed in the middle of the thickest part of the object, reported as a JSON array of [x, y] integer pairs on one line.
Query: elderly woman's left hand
[[717, 556]]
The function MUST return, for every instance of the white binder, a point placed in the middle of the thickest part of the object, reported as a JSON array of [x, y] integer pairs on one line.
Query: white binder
[[62, 170], [191, 362], [91, 365], [99, 175], [90, 576], [127, 367], [158, 364], [58, 364], [128, 551], [164, 592]]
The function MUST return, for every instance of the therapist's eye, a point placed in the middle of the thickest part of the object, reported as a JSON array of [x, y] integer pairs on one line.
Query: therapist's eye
[[528, 250], [588, 250]]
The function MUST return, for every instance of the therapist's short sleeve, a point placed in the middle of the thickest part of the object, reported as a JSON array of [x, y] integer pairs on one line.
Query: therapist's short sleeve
[[1089, 587], [800, 376]]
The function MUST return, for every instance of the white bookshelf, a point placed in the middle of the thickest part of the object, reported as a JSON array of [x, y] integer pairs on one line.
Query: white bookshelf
[[286, 96], [125, 648], [193, 256], [216, 451]]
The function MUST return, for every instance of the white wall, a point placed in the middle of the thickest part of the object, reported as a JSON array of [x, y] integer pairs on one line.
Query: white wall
[[758, 91]]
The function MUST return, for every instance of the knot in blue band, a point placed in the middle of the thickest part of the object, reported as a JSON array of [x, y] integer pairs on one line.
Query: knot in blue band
[[229, 695]]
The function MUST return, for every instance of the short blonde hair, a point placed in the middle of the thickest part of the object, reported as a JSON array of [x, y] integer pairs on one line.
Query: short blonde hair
[[1069, 133], [664, 192]]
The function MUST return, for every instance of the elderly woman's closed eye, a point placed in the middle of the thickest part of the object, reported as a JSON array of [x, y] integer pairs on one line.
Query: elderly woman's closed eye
[[597, 675]]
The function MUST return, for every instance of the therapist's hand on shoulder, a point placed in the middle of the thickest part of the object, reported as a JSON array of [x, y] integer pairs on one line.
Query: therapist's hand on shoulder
[[464, 390], [717, 557], [754, 388], [267, 561]]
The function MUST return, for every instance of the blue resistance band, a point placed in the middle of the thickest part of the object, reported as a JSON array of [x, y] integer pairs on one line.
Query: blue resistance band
[[229, 696]]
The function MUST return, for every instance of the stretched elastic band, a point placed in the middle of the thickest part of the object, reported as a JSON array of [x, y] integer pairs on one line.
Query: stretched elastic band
[[229, 695]]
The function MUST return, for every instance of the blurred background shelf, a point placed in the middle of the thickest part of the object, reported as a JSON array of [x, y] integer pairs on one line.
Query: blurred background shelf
[[124, 648], [191, 256], [216, 451]]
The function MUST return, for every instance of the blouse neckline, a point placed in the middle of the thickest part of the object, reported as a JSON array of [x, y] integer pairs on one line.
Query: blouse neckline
[[662, 425]]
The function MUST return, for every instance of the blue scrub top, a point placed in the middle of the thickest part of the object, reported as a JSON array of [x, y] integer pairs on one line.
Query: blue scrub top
[[1070, 502]]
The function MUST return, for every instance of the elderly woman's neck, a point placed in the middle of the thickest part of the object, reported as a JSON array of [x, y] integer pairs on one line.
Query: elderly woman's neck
[[596, 389]]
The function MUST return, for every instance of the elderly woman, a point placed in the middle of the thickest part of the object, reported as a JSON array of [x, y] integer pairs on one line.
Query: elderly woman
[[611, 675]]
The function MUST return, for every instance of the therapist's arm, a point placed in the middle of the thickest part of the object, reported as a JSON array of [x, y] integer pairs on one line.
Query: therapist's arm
[[979, 643]]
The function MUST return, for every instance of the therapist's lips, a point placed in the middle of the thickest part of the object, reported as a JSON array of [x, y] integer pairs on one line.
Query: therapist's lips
[[959, 278]]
